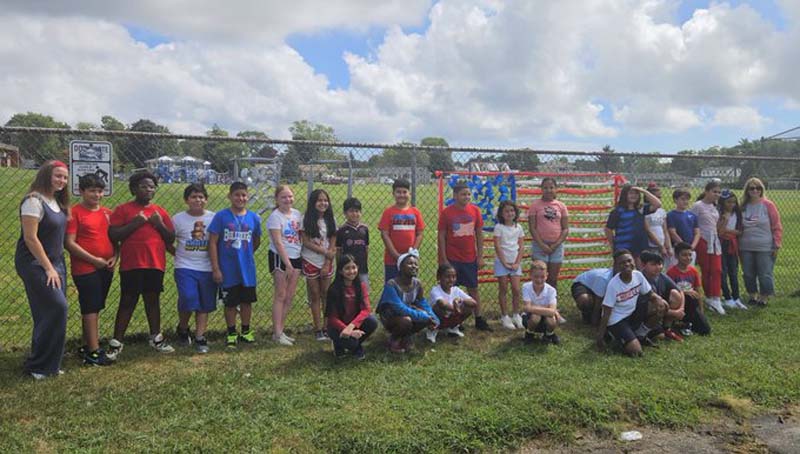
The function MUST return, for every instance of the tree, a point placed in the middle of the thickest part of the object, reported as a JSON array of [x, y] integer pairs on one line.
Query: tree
[[110, 123], [257, 147], [686, 166], [608, 161], [527, 160], [38, 147], [222, 154], [303, 153], [438, 159], [141, 148], [85, 126], [403, 156]]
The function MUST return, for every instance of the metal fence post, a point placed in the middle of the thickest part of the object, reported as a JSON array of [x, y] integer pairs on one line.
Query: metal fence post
[[414, 177]]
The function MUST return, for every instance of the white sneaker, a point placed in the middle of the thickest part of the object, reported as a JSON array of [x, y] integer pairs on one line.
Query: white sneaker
[[454, 331], [286, 336], [507, 323], [282, 339], [517, 319], [716, 304], [37, 376], [430, 334], [561, 320], [730, 304], [739, 304], [114, 349], [159, 344]]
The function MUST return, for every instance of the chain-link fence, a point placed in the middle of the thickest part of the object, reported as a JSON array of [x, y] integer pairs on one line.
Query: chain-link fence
[[590, 182]]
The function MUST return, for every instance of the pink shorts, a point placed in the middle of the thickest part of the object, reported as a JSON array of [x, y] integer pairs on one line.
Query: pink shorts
[[311, 271]]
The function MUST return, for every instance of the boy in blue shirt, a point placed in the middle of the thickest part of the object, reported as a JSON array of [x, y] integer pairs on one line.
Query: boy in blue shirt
[[682, 223], [234, 236]]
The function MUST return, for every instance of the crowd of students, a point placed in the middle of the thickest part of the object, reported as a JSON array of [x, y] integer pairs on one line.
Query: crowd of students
[[632, 303]]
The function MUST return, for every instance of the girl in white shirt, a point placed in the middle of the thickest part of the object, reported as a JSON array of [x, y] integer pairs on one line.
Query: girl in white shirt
[[508, 245], [451, 304]]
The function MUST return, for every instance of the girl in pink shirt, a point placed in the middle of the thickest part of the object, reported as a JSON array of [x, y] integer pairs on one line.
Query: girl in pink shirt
[[548, 221]]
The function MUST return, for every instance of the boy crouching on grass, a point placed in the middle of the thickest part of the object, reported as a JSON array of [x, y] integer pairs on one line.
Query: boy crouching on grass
[[626, 307], [539, 304]]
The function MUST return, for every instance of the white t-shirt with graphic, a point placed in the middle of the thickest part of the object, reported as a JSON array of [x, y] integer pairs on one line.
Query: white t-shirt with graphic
[[621, 297], [191, 233], [323, 241], [548, 297], [437, 293], [289, 226]]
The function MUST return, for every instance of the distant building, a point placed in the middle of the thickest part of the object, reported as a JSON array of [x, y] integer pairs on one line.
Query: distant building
[[556, 166], [384, 174], [9, 155], [723, 173]]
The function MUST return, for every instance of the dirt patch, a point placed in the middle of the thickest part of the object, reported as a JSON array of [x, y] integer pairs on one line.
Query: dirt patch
[[777, 432]]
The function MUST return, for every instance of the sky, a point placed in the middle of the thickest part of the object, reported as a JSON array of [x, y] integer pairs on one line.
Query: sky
[[639, 75]]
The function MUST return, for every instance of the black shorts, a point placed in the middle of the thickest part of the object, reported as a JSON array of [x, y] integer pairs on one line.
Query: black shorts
[[623, 330], [140, 281], [238, 294], [540, 327], [93, 290], [275, 262], [578, 289]]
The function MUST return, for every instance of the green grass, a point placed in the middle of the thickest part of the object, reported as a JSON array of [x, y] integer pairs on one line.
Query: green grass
[[486, 392]]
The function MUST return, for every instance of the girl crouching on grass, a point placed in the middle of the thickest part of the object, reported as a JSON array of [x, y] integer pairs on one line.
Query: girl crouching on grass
[[451, 304], [403, 308], [347, 310]]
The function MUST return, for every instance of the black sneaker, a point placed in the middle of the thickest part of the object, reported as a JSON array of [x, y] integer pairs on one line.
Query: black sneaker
[[553, 339], [647, 342], [96, 358], [529, 337], [359, 354], [201, 345], [481, 324], [184, 337]]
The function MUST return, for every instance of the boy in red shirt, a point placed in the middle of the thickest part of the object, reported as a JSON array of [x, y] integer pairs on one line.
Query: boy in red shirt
[[461, 244], [93, 258], [143, 230], [687, 279], [401, 227]]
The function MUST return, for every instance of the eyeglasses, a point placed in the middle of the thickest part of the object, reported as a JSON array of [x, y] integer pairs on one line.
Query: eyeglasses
[[754, 188]]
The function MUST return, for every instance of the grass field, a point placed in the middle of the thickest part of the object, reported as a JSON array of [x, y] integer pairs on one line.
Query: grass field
[[486, 392]]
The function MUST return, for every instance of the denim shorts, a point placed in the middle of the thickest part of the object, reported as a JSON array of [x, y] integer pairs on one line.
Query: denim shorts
[[557, 256], [501, 270]]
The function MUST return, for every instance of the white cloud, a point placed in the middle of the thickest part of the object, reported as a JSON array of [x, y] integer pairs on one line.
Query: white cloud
[[746, 118], [233, 21], [484, 71]]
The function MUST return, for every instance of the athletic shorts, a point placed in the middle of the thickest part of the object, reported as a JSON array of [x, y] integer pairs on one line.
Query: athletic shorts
[[140, 281], [557, 256], [501, 270], [238, 294], [540, 327], [466, 273], [93, 290], [311, 271], [578, 289], [275, 262], [197, 291], [623, 330]]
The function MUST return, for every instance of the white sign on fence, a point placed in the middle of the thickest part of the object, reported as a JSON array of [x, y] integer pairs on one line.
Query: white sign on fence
[[85, 157]]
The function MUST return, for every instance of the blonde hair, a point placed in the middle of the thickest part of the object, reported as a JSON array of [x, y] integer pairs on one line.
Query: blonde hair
[[538, 265], [754, 181]]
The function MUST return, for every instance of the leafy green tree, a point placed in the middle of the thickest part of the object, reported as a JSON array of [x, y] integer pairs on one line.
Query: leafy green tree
[[438, 159], [38, 147], [141, 148], [526, 160], [110, 123], [222, 154], [608, 161], [297, 154], [403, 156], [85, 126]]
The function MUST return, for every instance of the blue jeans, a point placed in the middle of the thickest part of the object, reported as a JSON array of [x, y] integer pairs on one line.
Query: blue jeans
[[730, 272], [758, 266]]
